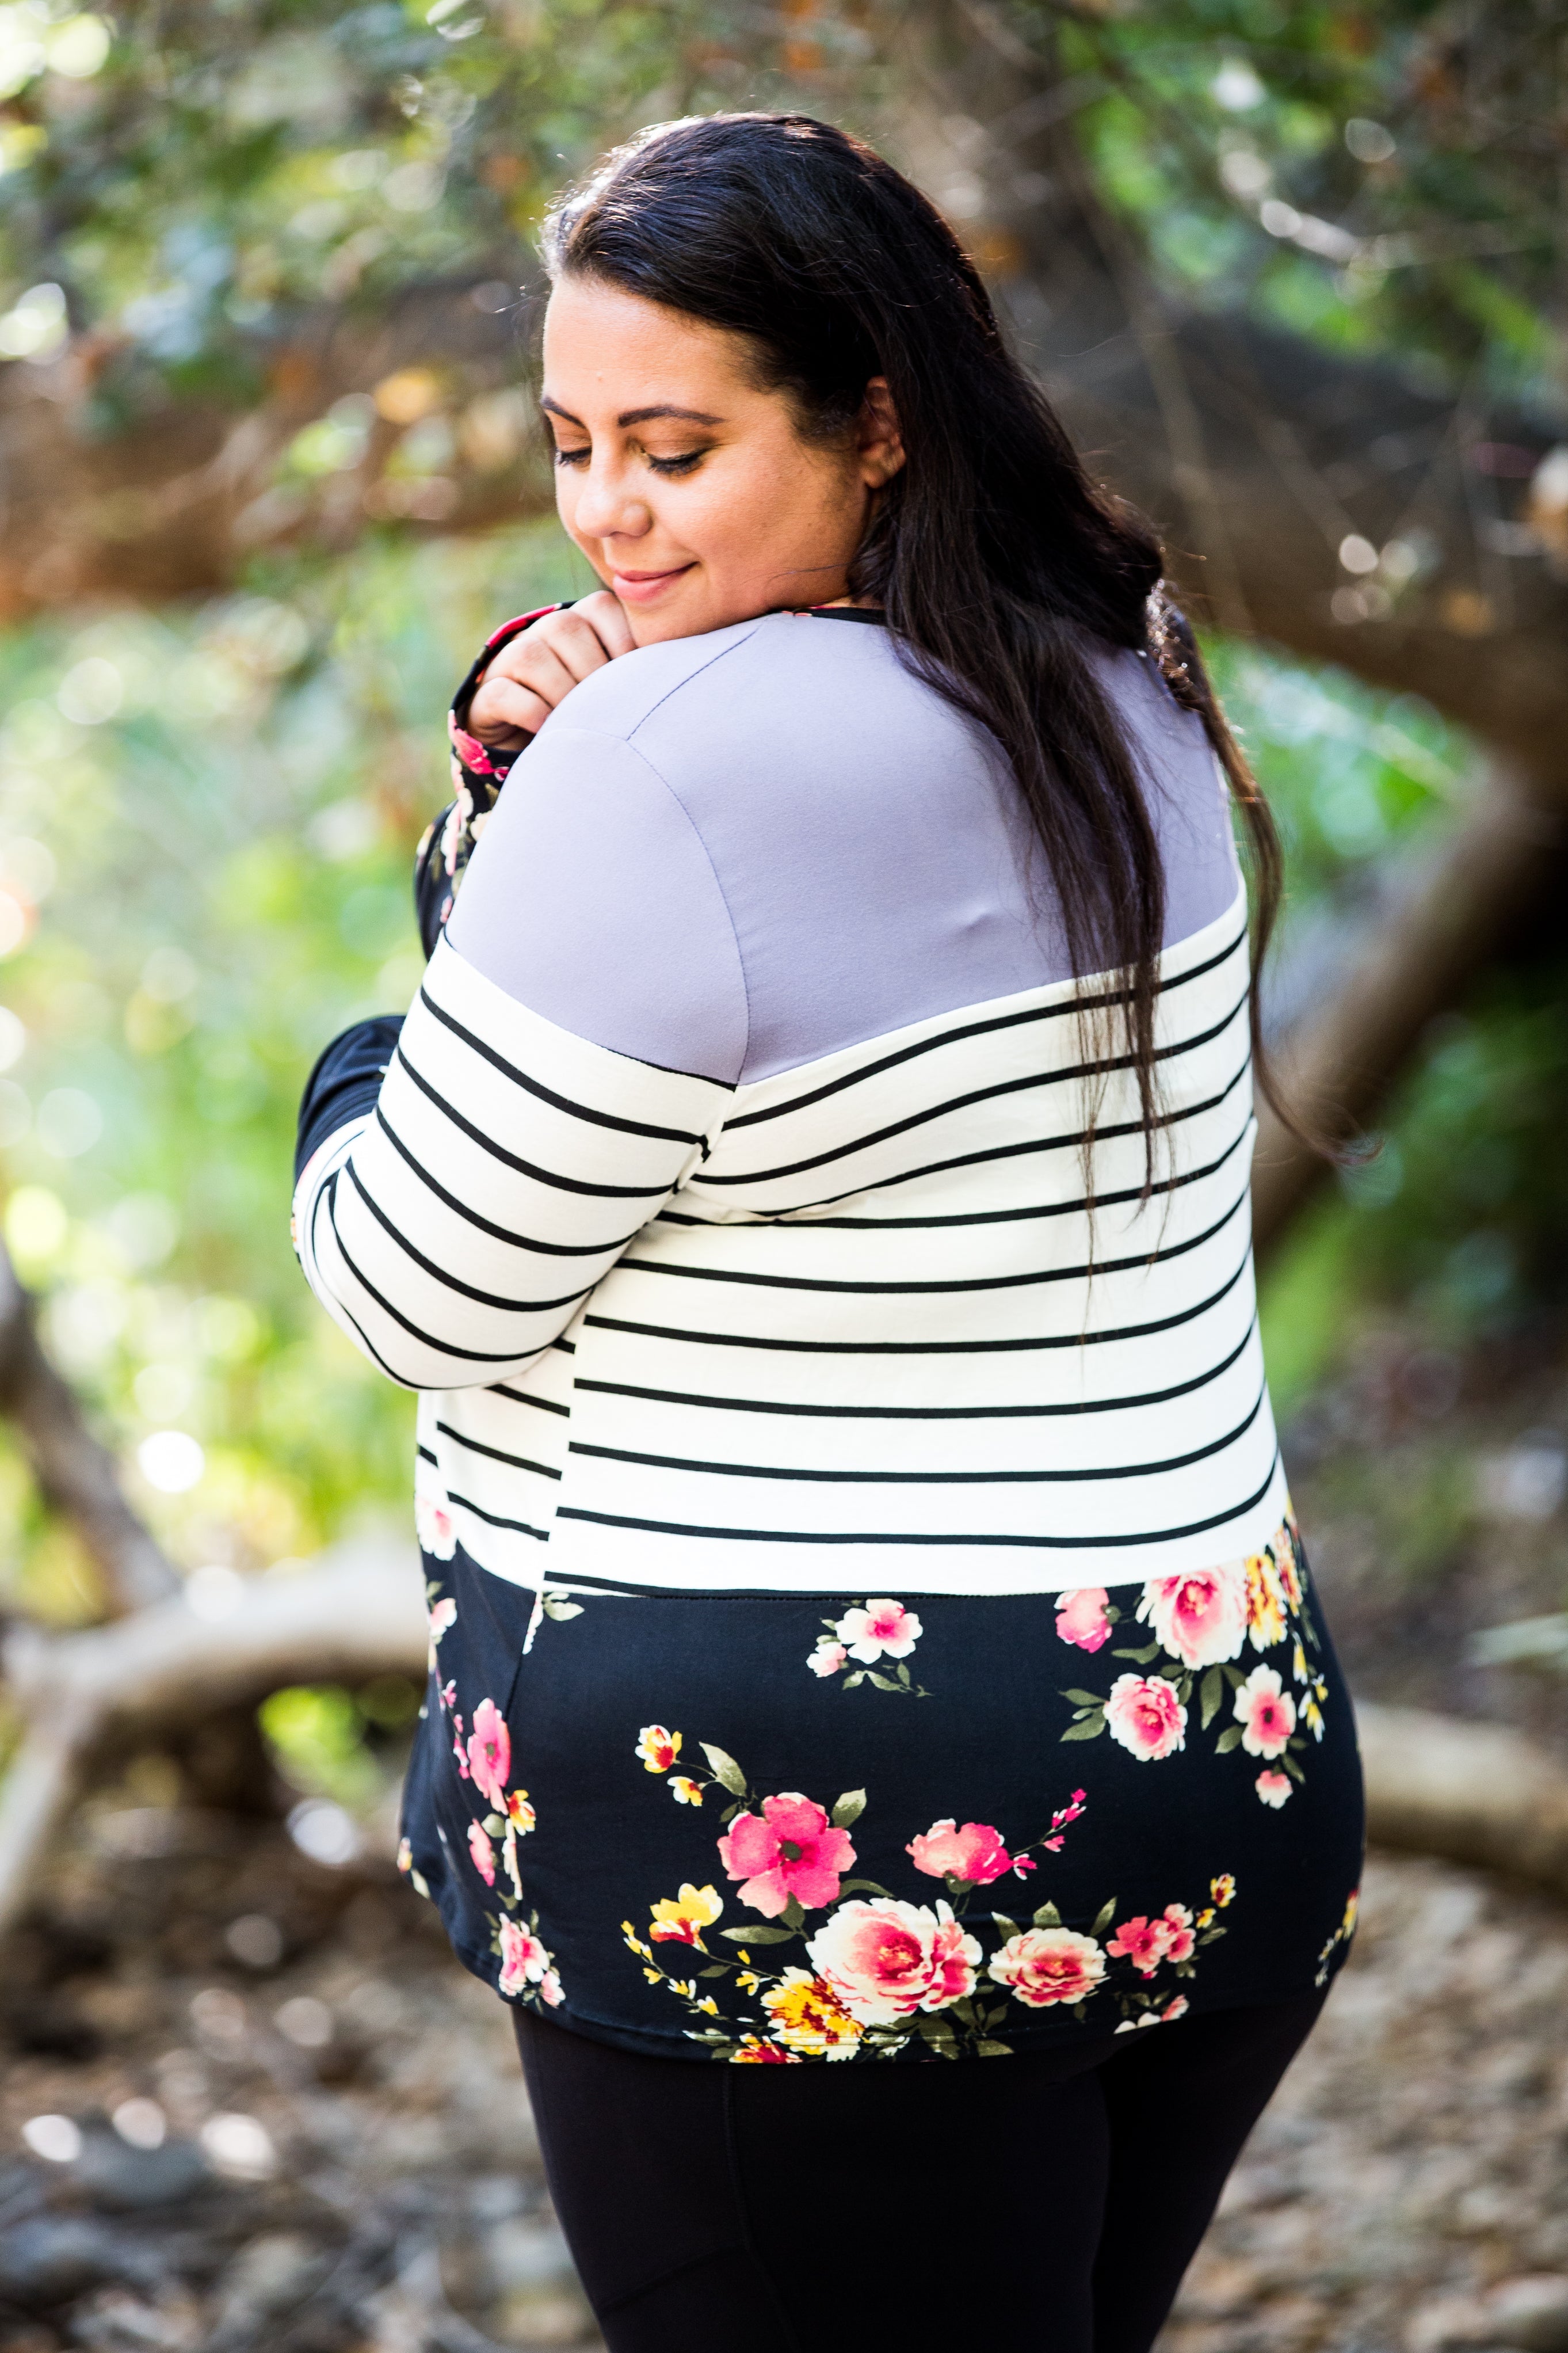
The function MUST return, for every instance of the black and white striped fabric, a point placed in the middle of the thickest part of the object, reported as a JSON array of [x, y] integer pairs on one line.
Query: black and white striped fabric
[[851, 1325]]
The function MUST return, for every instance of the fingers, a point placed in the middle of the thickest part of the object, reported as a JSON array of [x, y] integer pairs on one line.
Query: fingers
[[539, 669], [503, 712]]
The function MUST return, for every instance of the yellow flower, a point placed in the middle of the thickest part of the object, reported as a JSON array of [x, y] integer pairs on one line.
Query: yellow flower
[[520, 1813], [658, 1748], [683, 1917], [685, 1790], [1352, 1905], [709, 2005], [1265, 1602], [653, 1976], [1299, 1663], [747, 1982], [1223, 1889], [1205, 1918], [808, 2016], [1313, 1714]]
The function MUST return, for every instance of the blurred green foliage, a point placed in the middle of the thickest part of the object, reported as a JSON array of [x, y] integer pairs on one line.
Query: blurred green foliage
[[207, 824]]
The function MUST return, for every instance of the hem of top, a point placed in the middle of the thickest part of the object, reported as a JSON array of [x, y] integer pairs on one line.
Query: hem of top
[[1273, 1992]]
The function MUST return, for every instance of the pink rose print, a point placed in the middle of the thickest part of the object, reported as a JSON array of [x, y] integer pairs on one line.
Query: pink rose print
[[434, 1526], [827, 1658], [1180, 1938], [1173, 2009], [882, 1630], [975, 1854], [1142, 1942], [1273, 1788], [523, 1959], [887, 1959], [1267, 1711], [790, 1849], [1081, 1619], [490, 1753], [1144, 1715], [482, 1854], [1045, 1966], [549, 1989], [443, 1615], [1201, 1617]]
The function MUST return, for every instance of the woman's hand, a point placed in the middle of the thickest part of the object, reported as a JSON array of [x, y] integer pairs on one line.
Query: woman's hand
[[542, 665]]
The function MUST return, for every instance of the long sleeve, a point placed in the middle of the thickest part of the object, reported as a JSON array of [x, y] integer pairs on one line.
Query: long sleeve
[[454, 1229]]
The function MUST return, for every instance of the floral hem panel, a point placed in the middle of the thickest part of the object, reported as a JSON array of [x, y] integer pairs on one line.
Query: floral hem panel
[[694, 1825]]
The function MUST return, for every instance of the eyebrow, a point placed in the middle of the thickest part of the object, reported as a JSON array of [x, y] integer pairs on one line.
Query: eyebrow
[[635, 416]]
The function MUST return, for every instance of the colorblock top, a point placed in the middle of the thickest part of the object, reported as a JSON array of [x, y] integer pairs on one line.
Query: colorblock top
[[724, 1198]]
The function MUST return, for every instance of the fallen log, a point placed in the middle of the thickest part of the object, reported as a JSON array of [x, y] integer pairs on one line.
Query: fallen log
[[1471, 1793], [114, 1689]]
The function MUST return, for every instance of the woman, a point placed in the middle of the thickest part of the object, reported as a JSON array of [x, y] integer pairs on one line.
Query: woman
[[809, 1194]]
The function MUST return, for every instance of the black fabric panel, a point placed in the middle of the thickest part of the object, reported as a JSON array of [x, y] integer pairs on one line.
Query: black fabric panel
[[345, 1082]]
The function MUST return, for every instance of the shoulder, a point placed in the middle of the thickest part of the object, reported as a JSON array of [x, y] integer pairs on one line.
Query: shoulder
[[618, 699]]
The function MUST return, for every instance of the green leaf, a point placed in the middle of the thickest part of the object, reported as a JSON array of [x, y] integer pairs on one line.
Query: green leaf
[[849, 1809], [1210, 1936], [724, 1769], [883, 1682], [495, 1824], [1183, 1689], [1048, 1917], [759, 1936], [1142, 1658], [1292, 1767], [1104, 1916], [850, 1681], [1008, 1927], [793, 1916], [1233, 1675], [730, 1812], [718, 1970], [1212, 1694], [935, 2031], [990, 2050], [1089, 1729], [1084, 1699], [853, 1886], [903, 1673], [1110, 1614], [1229, 1738]]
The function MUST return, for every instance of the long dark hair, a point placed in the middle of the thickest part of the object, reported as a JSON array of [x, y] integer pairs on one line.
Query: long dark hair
[[998, 563]]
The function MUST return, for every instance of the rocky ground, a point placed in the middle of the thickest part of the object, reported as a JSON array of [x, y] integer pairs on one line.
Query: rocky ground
[[247, 2101]]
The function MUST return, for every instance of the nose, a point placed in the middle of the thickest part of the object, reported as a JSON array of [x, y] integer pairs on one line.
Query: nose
[[608, 507]]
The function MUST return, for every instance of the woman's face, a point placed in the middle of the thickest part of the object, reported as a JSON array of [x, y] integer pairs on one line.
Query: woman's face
[[690, 492]]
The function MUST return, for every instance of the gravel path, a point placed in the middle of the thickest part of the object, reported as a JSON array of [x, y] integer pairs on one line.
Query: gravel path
[[347, 2164]]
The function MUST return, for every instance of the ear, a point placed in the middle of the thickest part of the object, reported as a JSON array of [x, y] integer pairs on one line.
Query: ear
[[880, 443]]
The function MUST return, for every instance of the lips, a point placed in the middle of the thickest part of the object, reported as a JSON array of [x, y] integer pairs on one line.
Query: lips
[[642, 587]]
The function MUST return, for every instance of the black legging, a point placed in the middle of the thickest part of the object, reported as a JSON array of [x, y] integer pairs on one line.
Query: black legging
[[1050, 2201]]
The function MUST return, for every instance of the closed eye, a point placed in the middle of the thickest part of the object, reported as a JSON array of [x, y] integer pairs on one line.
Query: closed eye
[[682, 464], [571, 457]]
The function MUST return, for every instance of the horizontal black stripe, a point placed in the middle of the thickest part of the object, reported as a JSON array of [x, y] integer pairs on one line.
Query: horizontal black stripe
[[485, 1226], [924, 1412], [426, 1339], [1002, 1021], [925, 1477], [545, 1095], [493, 1519], [925, 1289], [451, 1282], [1028, 1543], [514, 1461], [326, 1199], [914, 1347], [1034, 1079], [522, 1397], [796, 1222], [528, 1167]]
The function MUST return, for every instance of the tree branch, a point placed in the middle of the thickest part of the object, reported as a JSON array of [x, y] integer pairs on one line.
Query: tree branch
[[77, 1474]]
